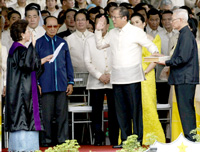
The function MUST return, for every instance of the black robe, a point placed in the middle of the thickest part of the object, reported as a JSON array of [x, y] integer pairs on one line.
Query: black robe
[[19, 113]]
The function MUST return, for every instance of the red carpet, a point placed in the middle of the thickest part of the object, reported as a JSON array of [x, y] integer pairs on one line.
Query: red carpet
[[87, 148]]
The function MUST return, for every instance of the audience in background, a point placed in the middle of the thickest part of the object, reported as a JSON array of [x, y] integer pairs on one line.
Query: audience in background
[[3, 64], [67, 4], [4, 13], [81, 4], [166, 5], [77, 40], [20, 7], [7, 40], [90, 26], [52, 7], [153, 26], [78, 32], [45, 13], [69, 22], [32, 13]]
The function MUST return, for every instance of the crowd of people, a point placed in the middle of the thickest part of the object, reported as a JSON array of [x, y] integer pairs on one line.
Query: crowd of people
[[108, 39]]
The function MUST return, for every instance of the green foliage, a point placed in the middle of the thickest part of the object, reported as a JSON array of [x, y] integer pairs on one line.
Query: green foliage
[[196, 136], [132, 145], [68, 146], [151, 138]]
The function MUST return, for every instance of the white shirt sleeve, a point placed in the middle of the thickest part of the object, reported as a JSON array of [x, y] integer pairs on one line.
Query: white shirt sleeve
[[88, 62], [144, 41], [100, 42]]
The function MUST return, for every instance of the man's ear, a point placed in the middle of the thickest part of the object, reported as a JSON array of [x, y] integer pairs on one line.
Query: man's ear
[[44, 27], [125, 18], [64, 3]]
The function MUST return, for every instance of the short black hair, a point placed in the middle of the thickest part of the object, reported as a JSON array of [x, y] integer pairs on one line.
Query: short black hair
[[109, 5], [17, 28], [13, 12], [100, 15], [45, 11], [138, 8], [166, 12], [141, 4], [139, 15], [127, 5], [153, 11], [61, 17], [94, 10], [32, 6], [123, 11], [69, 10], [82, 11], [45, 20], [187, 8]]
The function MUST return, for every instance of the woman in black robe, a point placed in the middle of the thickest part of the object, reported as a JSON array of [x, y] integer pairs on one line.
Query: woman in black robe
[[23, 121]]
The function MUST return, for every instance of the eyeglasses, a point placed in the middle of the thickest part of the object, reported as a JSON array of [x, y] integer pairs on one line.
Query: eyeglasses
[[174, 19], [52, 26], [115, 17]]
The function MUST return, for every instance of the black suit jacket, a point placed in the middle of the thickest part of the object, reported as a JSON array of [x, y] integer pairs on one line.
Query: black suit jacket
[[184, 66], [64, 34]]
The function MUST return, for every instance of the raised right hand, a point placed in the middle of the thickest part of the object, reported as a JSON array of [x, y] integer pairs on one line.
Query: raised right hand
[[101, 23]]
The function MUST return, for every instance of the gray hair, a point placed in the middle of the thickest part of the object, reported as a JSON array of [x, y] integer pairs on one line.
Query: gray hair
[[166, 2], [181, 13]]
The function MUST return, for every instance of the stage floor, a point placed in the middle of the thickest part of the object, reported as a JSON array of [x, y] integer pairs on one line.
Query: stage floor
[[87, 148]]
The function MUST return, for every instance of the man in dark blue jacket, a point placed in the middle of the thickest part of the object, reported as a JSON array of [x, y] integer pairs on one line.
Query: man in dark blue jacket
[[184, 71], [55, 83]]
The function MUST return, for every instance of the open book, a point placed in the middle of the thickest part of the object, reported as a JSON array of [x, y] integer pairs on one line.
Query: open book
[[156, 58]]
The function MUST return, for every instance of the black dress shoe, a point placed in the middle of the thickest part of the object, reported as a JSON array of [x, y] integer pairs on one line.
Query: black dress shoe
[[117, 146]]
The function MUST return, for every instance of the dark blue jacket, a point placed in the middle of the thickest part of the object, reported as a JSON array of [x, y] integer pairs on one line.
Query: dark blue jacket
[[58, 74], [184, 66]]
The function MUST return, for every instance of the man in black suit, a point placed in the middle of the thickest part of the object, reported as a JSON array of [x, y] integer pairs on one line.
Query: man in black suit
[[184, 71], [69, 21]]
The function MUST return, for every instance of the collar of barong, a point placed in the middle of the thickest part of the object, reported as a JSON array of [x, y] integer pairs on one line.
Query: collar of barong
[[33, 86]]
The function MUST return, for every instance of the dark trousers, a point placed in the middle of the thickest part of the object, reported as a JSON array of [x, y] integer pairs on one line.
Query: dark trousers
[[97, 99], [185, 100], [129, 106], [54, 105]]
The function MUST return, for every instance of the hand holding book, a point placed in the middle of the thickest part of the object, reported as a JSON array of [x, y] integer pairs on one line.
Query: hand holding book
[[158, 58]]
